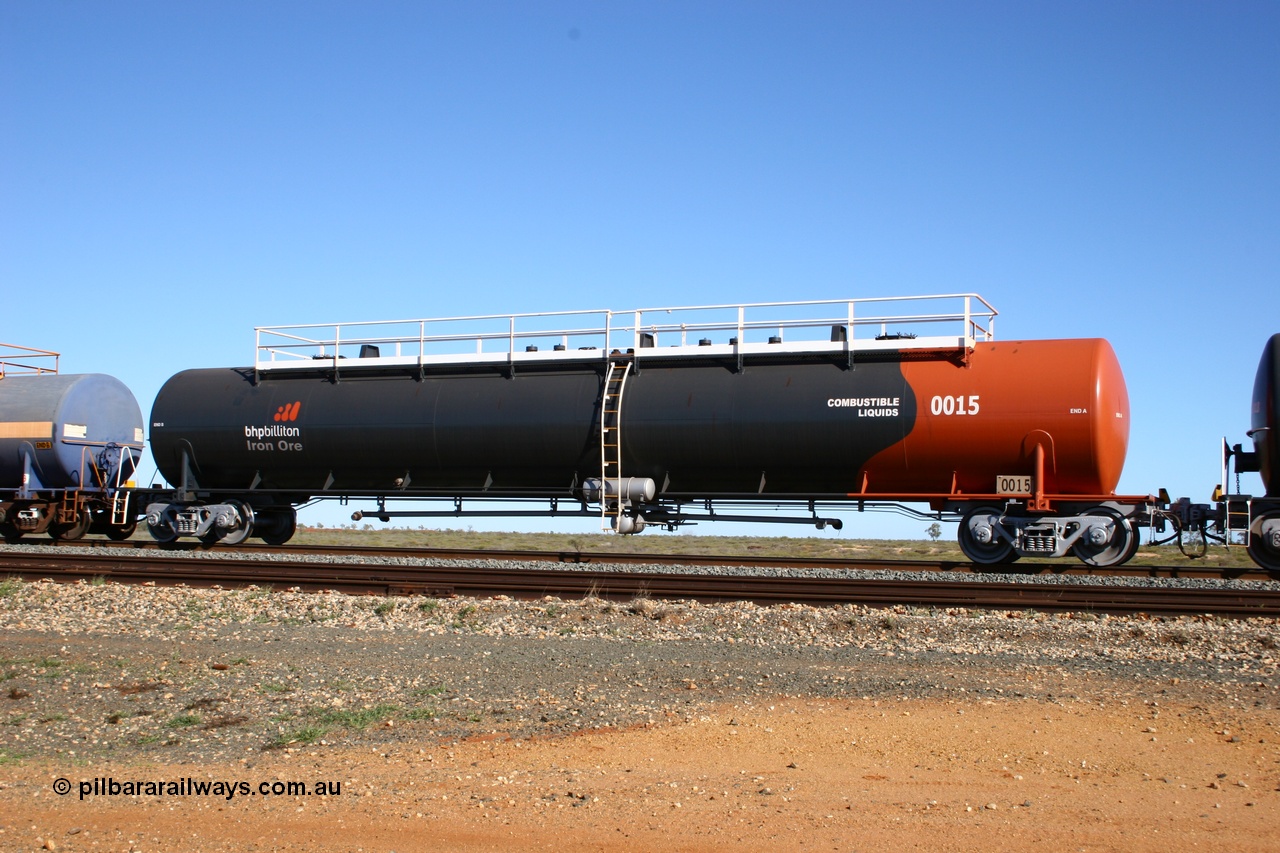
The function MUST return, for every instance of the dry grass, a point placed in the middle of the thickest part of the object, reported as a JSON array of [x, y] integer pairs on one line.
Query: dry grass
[[829, 546], [760, 546]]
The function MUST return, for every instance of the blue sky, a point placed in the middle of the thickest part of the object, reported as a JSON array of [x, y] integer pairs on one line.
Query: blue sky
[[174, 174]]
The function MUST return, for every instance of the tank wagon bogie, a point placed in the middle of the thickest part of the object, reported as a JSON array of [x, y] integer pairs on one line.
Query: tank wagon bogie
[[1100, 535], [230, 522], [69, 445]]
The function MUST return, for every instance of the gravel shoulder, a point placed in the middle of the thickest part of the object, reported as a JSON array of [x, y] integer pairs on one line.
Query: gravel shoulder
[[497, 724]]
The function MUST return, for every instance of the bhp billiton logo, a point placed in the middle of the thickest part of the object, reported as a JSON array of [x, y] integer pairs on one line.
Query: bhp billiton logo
[[277, 436], [288, 412]]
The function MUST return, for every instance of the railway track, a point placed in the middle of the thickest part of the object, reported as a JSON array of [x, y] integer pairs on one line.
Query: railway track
[[362, 574], [1186, 569]]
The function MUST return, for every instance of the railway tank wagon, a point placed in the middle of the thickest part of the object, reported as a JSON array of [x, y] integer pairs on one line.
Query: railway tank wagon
[[1255, 517], [1265, 418], [653, 420], [68, 446]]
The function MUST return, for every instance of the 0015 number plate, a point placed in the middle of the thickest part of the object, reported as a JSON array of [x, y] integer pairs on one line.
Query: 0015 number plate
[[1016, 484]]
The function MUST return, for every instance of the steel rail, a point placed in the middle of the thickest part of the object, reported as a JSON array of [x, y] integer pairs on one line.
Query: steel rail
[[1185, 570], [376, 578]]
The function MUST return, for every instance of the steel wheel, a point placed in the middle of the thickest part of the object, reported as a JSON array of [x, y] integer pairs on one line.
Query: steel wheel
[[119, 533], [1116, 550], [161, 532], [244, 530], [75, 530], [277, 524], [979, 537], [1264, 541]]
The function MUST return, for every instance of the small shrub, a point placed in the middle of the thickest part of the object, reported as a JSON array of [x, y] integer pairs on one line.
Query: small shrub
[[643, 606], [8, 758], [304, 735], [430, 691], [359, 719], [421, 714]]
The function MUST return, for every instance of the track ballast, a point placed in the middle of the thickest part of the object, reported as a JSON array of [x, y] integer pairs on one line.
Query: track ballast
[[625, 577]]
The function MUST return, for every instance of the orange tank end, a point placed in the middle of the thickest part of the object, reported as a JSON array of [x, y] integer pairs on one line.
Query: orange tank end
[[982, 420]]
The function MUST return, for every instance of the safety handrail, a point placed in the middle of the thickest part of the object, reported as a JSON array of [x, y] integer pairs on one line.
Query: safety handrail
[[972, 319], [30, 360]]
